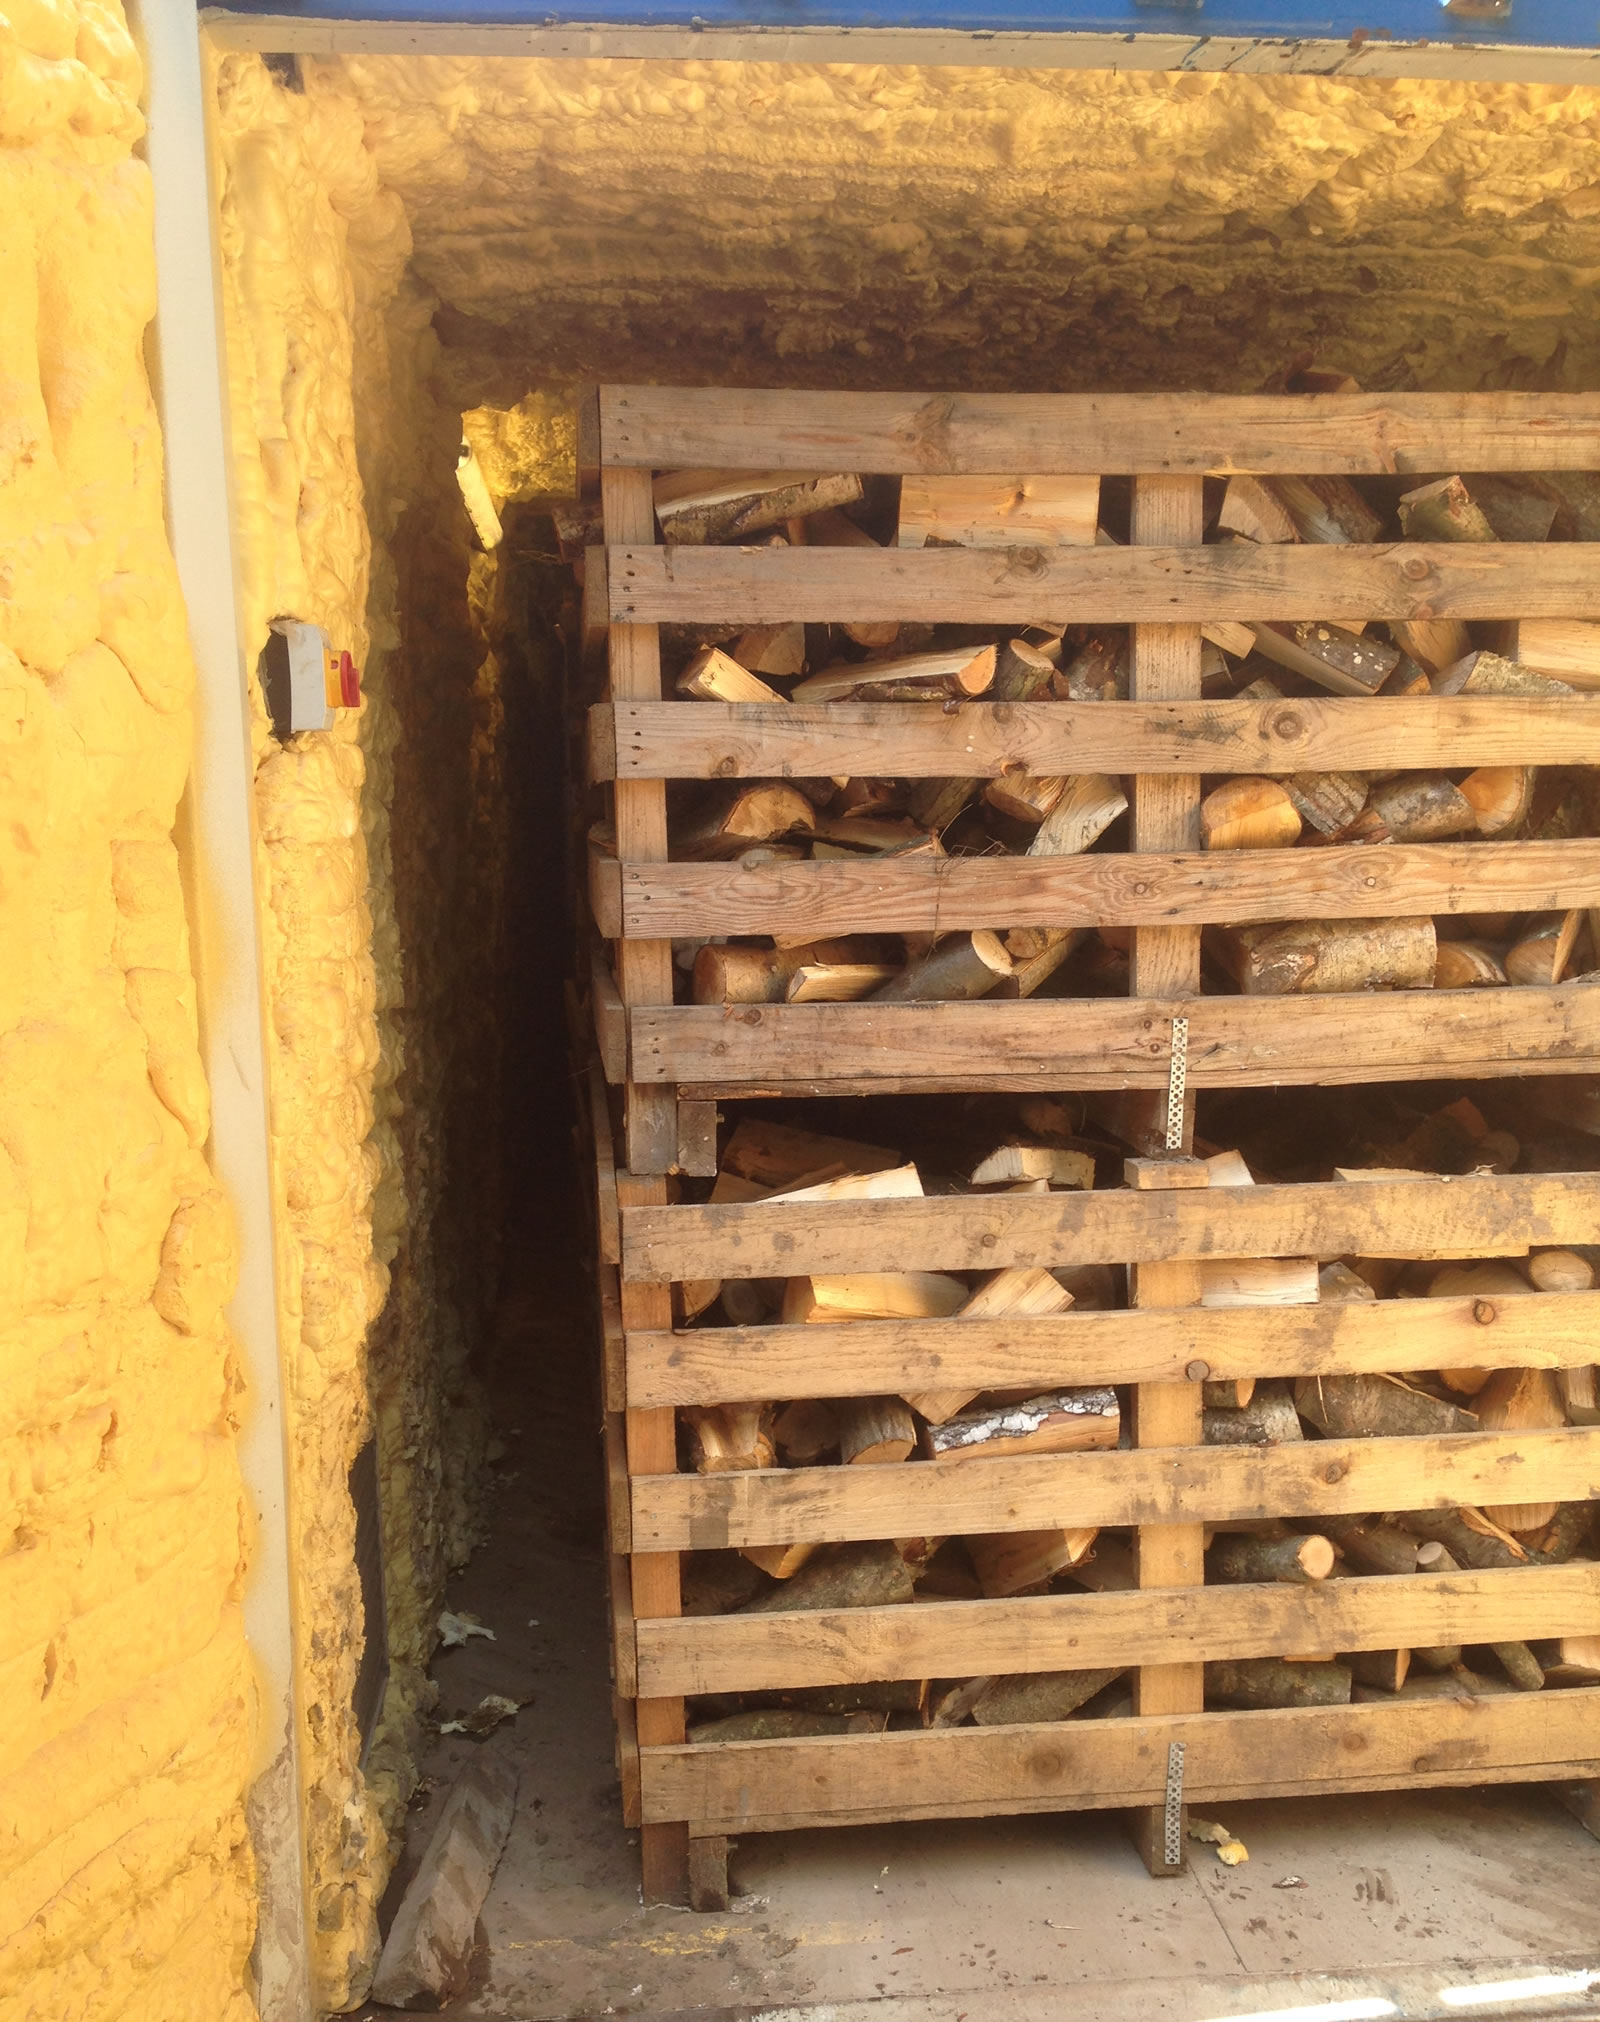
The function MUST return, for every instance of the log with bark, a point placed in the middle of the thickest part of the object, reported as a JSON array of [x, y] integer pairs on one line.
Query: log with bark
[[1254, 1683], [729, 973], [1039, 1695], [1422, 807], [871, 1575], [1328, 510], [1332, 656], [782, 1155], [1501, 796], [730, 1437], [1467, 965], [1268, 1419], [1034, 966], [1249, 814], [1371, 1544], [874, 1431], [958, 969], [1384, 1670], [1308, 957], [1466, 1536], [1443, 511], [1485, 673], [1327, 801], [962, 671], [1544, 951], [1298, 1559], [694, 507], [1059, 1421], [782, 1723], [1369, 1407], [806, 1431]]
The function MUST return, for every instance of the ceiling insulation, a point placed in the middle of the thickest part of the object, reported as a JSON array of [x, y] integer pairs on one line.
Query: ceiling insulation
[[851, 225]]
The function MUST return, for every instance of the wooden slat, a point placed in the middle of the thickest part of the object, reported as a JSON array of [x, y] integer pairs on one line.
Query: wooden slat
[[610, 1017], [984, 740], [1066, 434], [1107, 1043], [1094, 1764], [639, 808], [1063, 1632], [1374, 1218], [871, 1358], [1157, 1485], [1104, 586], [940, 894], [607, 1214]]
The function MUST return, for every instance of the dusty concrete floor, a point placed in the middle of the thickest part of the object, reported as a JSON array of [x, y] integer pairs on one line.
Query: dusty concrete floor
[[1360, 1907]]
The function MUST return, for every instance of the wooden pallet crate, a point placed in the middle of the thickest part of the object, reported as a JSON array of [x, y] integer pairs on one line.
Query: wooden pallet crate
[[680, 1061]]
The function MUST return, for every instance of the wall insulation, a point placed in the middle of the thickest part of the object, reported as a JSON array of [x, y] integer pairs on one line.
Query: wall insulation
[[381, 866], [126, 1697], [847, 224]]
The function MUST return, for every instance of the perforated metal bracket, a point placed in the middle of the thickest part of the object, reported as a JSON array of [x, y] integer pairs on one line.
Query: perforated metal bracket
[[1177, 1083], [1172, 1807]]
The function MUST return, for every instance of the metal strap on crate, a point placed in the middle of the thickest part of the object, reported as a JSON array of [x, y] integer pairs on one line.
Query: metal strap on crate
[[1172, 1815], [1177, 1079]]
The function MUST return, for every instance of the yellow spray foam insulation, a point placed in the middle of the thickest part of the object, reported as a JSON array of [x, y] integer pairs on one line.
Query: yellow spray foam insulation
[[858, 224], [340, 449], [527, 451], [127, 1720]]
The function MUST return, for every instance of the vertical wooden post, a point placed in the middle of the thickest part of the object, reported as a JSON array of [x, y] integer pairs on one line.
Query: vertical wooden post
[[644, 968], [1165, 667], [657, 1589]]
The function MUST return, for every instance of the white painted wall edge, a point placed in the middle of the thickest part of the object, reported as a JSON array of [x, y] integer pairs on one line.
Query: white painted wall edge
[[1480, 63], [219, 849]]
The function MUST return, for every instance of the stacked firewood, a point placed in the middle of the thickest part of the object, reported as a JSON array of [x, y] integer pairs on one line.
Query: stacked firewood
[[1046, 1150], [763, 821]]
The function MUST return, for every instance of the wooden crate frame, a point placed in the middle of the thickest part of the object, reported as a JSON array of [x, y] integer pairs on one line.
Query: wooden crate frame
[[680, 1061]]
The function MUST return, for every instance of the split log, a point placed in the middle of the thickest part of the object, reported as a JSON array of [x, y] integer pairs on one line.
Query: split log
[[1433, 643], [1384, 1670], [730, 1437], [955, 1705], [1571, 1660], [1485, 673], [695, 507], [1030, 972], [1580, 1393], [734, 818], [835, 529], [782, 1562], [779, 1154], [1267, 1420], [871, 1575], [1501, 796], [872, 1295], [1567, 649], [1229, 636], [1467, 965], [935, 803], [1488, 1283], [876, 1695], [1249, 814], [892, 1183], [998, 512], [1309, 957], [1254, 1683], [1328, 510], [1520, 1665], [1009, 1562], [1099, 672], [727, 973], [1039, 1695], [1008, 1162], [1443, 511], [696, 1295], [960, 968], [837, 982], [1333, 656], [1328, 801], [1060, 1421], [1296, 1560], [1517, 508], [1258, 1281], [874, 1431], [1088, 805], [714, 676], [1542, 955], [1025, 796], [965, 670], [805, 1431], [1560, 1271], [1018, 1291], [1371, 1407], [1249, 508], [1338, 1285], [1022, 672], [1520, 1400], [1422, 807], [771, 649]]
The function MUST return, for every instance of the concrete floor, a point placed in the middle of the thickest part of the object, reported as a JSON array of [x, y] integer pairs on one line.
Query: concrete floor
[[1418, 1907]]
